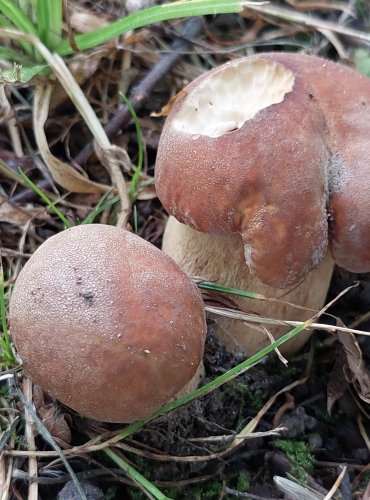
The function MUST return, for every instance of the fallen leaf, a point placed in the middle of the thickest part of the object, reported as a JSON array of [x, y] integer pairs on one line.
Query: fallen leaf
[[356, 371], [51, 415], [13, 214]]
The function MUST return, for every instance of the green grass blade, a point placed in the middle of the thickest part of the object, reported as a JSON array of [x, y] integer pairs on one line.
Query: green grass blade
[[156, 14], [100, 207], [49, 22], [12, 12], [214, 287], [140, 158], [43, 196], [14, 56], [136, 476], [5, 345], [27, 47]]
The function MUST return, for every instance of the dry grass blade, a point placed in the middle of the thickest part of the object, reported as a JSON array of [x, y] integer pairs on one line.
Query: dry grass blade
[[30, 438], [65, 175], [336, 485], [254, 318], [307, 5], [112, 157], [295, 17], [296, 491]]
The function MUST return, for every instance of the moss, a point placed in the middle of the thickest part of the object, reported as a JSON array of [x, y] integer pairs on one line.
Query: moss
[[242, 482], [298, 453]]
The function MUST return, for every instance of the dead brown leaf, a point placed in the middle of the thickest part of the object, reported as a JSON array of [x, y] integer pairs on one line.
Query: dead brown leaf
[[12, 214], [51, 416], [356, 371]]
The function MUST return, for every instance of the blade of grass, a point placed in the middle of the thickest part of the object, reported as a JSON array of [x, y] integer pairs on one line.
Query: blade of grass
[[19, 19], [49, 22], [8, 54], [5, 344], [100, 207], [43, 196], [93, 446], [19, 74], [138, 478], [140, 157], [134, 208], [156, 14], [27, 47], [214, 287]]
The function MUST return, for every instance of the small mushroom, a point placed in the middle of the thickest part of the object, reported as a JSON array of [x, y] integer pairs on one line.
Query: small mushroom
[[268, 155], [107, 323]]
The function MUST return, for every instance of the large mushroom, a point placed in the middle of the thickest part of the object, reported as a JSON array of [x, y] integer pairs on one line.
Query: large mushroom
[[268, 156], [107, 323]]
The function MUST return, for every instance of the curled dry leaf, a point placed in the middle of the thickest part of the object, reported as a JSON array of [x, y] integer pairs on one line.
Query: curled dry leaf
[[62, 173], [51, 415], [355, 370], [13, 214], [116, 160]]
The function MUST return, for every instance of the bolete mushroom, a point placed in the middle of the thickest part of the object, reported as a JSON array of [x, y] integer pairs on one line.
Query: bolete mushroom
[[107, 323], [268, 155]]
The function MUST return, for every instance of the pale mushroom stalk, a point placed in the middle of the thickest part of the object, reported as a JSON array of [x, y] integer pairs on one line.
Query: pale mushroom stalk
[[221, 259]]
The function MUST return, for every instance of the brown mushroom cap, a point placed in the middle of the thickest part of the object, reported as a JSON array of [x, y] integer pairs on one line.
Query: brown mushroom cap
[[274, 147], [107, 323]]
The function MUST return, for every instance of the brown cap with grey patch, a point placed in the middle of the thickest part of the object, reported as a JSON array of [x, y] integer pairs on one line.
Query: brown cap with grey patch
[[273, 147], [107, 323]]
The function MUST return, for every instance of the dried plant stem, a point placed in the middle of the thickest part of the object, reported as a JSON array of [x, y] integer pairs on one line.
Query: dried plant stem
[[254, 318], [336, 485], [292, 16], [30, 438]]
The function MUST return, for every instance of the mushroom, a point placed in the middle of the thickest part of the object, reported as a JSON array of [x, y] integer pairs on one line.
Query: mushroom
[[107, 323], [268, 155]]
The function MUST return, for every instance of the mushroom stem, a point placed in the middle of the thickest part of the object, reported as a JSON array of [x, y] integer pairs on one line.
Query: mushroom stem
[[221, 258]]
